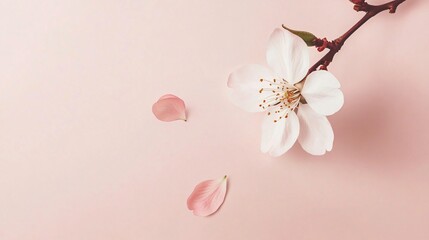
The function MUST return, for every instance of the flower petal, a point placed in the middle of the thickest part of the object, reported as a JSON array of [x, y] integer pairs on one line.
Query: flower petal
[[245, 84], [169, 108], [278, 137], [322, 93], [288, 56], [207, 197], [316, 134]]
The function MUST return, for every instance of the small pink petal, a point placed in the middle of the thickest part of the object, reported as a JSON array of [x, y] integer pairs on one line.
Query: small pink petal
[[169, 108], [207, 197]]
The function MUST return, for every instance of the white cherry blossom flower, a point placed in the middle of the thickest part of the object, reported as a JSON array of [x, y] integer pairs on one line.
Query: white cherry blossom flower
[[296, 108]]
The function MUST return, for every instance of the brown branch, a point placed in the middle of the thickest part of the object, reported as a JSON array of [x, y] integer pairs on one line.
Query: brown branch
[[335, 45]]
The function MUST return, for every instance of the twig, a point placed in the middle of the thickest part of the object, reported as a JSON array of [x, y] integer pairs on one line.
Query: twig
[[335, 45]]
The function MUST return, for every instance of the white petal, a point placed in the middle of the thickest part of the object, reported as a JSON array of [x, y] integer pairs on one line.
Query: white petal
[[245, 84], [322, 93], [316, 135], [288, 56], [278, 137]]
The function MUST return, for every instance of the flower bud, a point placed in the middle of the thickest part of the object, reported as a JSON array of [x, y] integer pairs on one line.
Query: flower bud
[[357, 8]]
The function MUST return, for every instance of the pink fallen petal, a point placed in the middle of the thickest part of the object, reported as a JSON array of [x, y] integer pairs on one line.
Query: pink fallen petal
[[169, 108], [207, 197]]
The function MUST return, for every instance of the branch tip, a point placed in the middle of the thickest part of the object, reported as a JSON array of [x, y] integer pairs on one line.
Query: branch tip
[[335, 46]]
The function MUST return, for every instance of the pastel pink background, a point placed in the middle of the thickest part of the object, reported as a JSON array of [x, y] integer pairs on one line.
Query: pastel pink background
[[82, 156]]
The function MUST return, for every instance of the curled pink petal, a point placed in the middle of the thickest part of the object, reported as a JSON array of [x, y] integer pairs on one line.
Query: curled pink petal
[[207, 197], [169, 108]]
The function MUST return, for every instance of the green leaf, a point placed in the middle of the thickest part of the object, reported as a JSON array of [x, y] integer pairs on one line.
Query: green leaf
[[306, 36]]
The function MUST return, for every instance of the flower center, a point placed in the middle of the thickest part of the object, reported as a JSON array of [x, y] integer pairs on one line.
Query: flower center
[[281, 99]]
